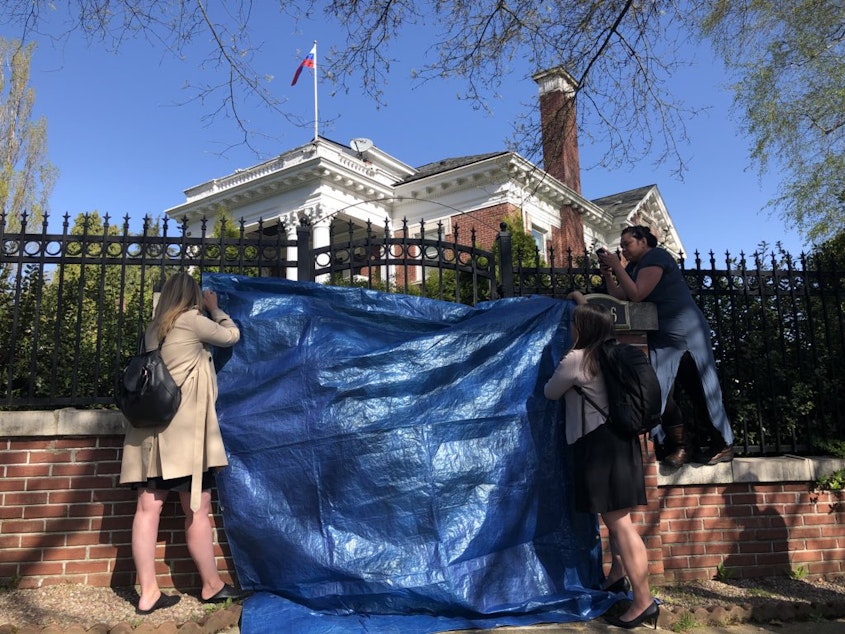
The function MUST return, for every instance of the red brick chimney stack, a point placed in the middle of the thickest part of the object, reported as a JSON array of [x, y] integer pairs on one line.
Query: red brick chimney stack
[[559, 126], [560, 151]]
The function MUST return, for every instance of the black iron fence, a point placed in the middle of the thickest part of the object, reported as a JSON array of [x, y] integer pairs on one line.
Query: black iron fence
[[72, 305]]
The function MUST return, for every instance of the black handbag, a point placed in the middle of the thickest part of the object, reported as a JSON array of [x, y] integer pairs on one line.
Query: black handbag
[[146, 393]]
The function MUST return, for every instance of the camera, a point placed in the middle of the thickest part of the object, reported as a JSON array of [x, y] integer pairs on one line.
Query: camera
[[601, 250]]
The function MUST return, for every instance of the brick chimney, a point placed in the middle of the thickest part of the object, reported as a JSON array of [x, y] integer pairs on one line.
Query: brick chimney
[[559, 126], [560, 148]]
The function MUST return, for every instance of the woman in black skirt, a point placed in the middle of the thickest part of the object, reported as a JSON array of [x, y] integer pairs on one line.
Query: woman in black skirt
[[608, 468]]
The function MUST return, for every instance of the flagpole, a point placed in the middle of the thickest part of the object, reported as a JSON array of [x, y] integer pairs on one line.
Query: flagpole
[[316, 117]]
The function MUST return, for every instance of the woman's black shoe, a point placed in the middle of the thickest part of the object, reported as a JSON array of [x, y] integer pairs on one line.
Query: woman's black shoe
[[225, 593], [620, 585], [651, 613], [164, 601]]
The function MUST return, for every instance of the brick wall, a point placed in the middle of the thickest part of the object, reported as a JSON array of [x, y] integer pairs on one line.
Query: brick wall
[[486, 224], [701, 522], [750, 529], [63, 517]]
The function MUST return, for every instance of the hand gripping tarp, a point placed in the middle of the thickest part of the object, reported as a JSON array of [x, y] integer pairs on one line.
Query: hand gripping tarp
[[394, 465]]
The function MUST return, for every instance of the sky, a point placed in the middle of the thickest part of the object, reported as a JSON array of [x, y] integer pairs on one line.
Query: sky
[[124, 146]]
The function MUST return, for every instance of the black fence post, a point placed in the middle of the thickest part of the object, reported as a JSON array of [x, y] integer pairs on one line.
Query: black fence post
[[505, 261], [304, 252]]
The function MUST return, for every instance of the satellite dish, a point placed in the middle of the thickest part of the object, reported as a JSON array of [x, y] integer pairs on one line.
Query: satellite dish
[[360, 145]]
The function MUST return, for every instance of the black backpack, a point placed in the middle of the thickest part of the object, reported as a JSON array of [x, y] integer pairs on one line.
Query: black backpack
[[146, 393], [633, 391]]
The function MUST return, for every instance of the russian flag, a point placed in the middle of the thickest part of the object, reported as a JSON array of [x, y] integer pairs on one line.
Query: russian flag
[[310, 61]]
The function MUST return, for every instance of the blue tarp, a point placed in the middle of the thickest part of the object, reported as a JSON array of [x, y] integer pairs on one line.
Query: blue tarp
[[394, 466]]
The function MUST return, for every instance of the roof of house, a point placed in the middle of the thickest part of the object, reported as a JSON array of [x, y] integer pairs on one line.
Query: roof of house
[[619, 204], [623, 203], [444, 165]]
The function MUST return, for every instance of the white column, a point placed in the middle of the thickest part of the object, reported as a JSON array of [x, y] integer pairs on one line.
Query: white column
[[290, 229], [321, 237], [384, 269]]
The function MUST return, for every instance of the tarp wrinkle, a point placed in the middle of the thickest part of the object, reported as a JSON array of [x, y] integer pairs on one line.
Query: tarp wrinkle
[[394, 465]]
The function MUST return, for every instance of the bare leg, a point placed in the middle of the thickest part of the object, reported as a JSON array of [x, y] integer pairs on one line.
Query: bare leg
[[633, 553], [617, 568], [198, 534], [144, 538]]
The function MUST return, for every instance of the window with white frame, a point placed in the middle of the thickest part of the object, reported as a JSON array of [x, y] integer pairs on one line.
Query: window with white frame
[[539, 236]]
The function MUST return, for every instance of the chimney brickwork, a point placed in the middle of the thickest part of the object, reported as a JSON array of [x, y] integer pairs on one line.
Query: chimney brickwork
[[560, 149], [559, 127]]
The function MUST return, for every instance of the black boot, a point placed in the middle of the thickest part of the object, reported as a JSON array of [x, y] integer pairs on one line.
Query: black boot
[[715, 454], [659, 450], [716, 451], [676, 446]]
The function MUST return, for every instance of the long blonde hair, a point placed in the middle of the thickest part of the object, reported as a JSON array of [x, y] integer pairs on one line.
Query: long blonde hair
[[179, 294], [594, 326]]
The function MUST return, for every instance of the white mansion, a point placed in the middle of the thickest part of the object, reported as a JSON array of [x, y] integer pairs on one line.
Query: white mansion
[[329, 182]]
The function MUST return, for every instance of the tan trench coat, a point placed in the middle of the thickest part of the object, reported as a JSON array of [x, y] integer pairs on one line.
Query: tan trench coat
[[191, 443]]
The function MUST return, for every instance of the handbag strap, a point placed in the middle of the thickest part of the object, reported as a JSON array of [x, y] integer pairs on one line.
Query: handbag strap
[[142, 348]]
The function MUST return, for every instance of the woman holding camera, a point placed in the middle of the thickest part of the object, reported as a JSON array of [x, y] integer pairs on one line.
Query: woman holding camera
[[680, 348], [181, 456]]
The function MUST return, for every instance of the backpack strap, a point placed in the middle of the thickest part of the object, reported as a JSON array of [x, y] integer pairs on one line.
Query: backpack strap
[[142, 342], [142, 348], [584, 396], [605, 363]]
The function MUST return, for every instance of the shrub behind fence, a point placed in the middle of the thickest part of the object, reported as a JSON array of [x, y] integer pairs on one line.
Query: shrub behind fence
[[72, 306]]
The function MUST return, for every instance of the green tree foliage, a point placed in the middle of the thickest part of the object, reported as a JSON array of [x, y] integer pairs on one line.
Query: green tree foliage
[[777, 345], [454, 286], [786, 56], [789, 61], [26, 175], [526, 252], [459, 286], [90, 309], [226, 246], [832, 252], [19, 320], [72, 325]]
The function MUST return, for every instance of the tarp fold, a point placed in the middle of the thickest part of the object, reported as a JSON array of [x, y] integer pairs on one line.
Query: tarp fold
[[394, 464]]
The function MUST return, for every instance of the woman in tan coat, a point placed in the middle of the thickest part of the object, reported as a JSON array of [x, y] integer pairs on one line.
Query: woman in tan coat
[[181, 456]]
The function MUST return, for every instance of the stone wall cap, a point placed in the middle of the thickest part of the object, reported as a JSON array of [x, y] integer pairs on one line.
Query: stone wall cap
[[62, 422], [787, 468]]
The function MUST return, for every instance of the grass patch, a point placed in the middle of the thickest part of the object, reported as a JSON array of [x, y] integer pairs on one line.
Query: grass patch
[[214, 607], [799, 573], [723, 573], [10, 583], [684, 623], [760, 592]]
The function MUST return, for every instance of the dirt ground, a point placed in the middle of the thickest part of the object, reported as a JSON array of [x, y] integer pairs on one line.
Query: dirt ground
[[772, 604]]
